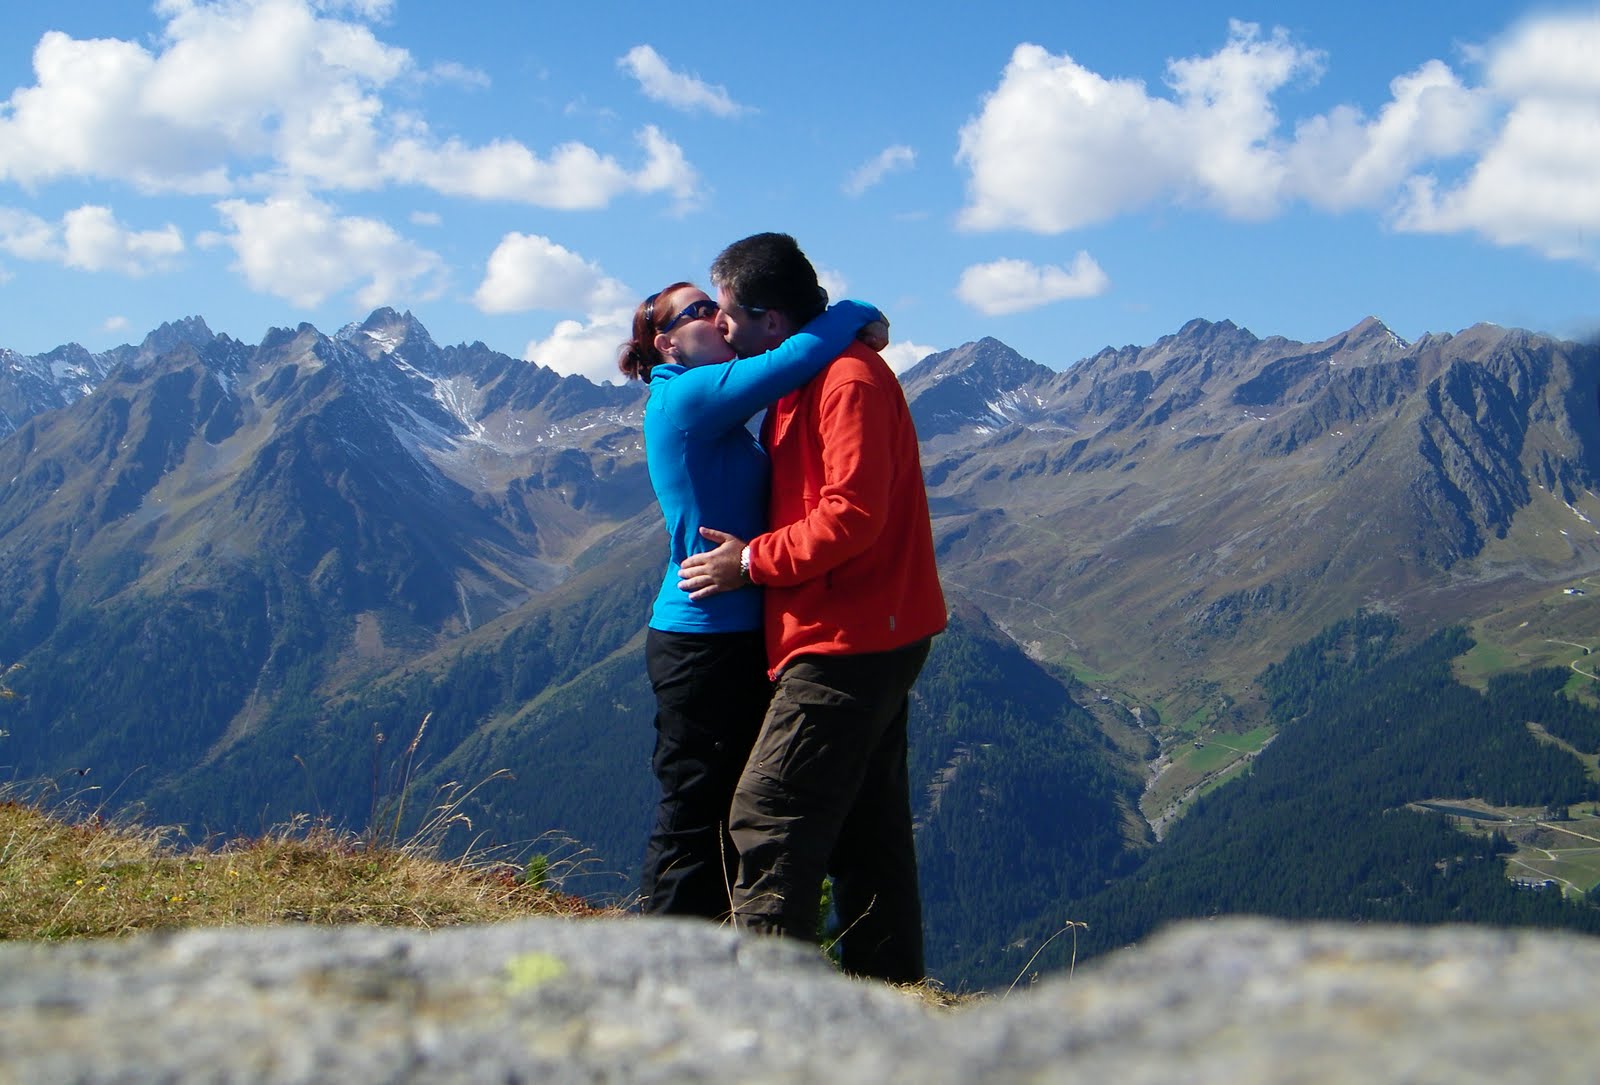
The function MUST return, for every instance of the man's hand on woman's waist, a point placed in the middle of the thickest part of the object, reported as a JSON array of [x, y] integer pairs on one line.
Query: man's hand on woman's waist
[[724, 569]]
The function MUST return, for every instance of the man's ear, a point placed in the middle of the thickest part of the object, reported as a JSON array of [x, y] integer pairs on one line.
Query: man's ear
[[777, 326]]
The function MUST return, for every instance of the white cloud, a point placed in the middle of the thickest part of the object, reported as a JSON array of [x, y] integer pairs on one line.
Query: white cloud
[[115, 324], [95, 241], [531, 272], [84, 118], [575, 177], [29, 237], [902, 356], [685, 92], [1227, 119], [1537, 182], [667, 170], [238, 86], [1341, 159], [298, 248], [587, 348], [1057, 146], [1552, 56], [527, 272], [1516, 159], [887, 161], [89, 238], [1015, 286], [426, 218], [281, 95], [450, 71]]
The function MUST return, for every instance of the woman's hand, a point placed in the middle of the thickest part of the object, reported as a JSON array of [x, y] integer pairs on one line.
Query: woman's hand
[[875, 335], [713, 571]]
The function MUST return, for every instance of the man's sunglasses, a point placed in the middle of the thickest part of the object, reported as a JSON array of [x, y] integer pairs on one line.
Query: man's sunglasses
[[704, 309]]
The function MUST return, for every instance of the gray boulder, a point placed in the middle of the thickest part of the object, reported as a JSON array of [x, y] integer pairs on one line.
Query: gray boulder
[[1235, 1001]]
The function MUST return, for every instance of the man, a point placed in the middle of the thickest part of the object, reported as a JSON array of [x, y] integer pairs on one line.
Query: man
[[852, 600]]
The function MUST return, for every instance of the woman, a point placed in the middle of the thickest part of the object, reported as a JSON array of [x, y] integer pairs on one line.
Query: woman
[[706, 659]]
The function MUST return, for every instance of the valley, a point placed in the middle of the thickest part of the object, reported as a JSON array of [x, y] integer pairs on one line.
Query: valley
[[1562, 853]]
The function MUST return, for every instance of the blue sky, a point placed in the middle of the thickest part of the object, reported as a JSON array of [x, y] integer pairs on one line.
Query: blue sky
[[1062, 176]]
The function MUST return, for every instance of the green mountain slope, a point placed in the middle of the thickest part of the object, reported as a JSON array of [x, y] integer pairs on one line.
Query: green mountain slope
[[1327, 824]]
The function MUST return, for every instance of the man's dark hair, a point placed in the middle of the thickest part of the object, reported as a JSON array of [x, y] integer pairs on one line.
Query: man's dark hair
[[768, 271]]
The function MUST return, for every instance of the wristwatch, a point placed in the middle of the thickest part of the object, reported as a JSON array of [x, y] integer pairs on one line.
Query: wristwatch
[[744, 565]]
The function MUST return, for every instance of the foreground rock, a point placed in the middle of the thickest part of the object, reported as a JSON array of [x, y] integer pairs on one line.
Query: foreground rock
[[1235, 1002]]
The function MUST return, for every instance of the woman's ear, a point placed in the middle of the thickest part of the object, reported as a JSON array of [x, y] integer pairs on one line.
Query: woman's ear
[[665, 346]]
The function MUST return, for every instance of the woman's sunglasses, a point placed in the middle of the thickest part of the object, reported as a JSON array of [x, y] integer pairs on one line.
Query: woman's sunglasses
[[704, 309]]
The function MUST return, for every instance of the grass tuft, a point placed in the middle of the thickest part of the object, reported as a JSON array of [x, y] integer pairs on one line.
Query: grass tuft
[[63, 877]]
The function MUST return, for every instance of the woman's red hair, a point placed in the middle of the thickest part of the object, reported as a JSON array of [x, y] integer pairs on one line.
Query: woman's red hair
[[639, 355]]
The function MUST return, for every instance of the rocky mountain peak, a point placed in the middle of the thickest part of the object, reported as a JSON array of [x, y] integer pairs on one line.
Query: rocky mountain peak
[[1369, 342], [986, 361], [1371, 325], [388, 332], [281, 338], [69, 354], [32, 384], [1201, 334], [984, 385], [173, 334], [1200, 328]]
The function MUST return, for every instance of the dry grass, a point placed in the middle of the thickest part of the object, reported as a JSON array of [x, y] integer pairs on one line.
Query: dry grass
[[935, 996], [86, 878], [64, 878]]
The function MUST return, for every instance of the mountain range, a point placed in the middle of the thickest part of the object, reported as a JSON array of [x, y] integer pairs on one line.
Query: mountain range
[[330, 573], [1183, 512]]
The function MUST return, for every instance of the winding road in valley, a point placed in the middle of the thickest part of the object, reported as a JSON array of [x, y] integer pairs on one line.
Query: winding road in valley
[[1582, 648]]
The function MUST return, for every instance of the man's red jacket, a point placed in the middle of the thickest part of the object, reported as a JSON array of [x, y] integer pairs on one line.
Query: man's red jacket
[[848, 566]]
